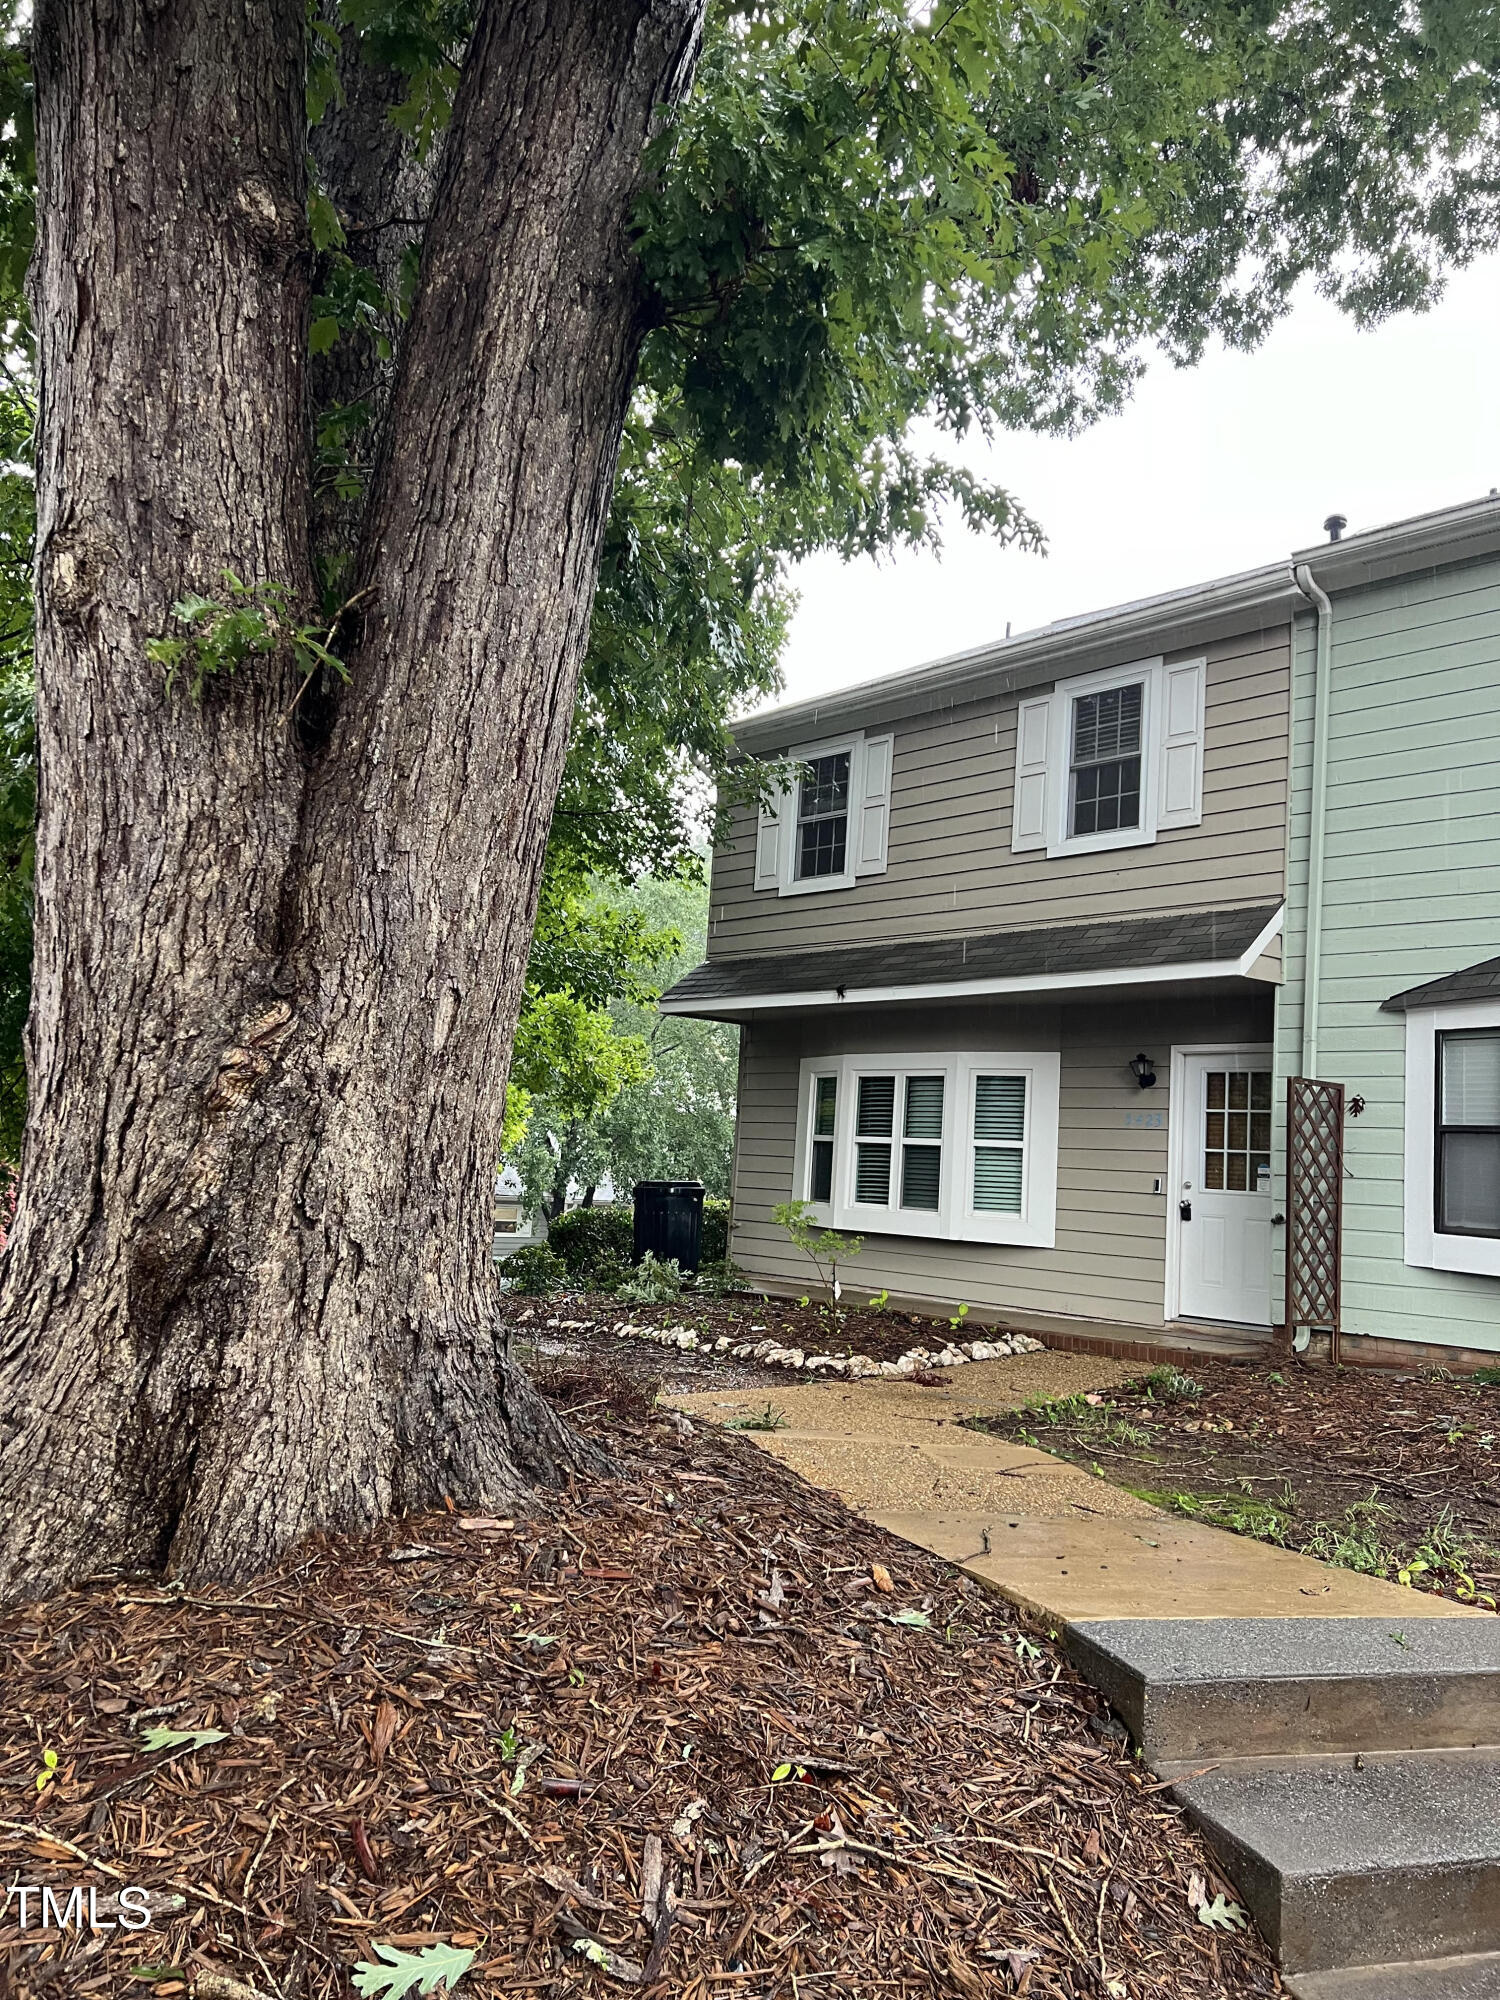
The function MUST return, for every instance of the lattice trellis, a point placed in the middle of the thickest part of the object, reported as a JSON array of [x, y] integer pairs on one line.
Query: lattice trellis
[[1315, 1205]]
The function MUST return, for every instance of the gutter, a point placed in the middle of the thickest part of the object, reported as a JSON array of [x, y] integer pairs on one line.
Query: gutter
[[1322, 681]]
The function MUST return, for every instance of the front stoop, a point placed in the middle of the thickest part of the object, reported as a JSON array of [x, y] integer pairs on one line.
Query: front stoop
[[1346, 1773], [1346, 1866], [1195, 1689]]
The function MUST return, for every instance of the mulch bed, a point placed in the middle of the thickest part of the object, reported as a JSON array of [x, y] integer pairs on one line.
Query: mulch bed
[[1361, 1468], [882, 1335], [697, 1731]]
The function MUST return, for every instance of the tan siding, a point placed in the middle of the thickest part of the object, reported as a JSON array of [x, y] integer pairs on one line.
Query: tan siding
[[951, 869], [1109, 1261]]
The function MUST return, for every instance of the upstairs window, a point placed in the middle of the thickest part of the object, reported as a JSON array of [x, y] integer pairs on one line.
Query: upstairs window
[[1111, 759], [823, 817], [831, 823], [1105, 772], [954, 1145], [1468, 1133]]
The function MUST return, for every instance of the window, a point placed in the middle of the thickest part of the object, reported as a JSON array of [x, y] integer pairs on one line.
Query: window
[[1237, 1130], [956, 1145], [999, 1143], [1468, 1132], [823, 817], [832, 825], [1452, 1190], [825, 1112], [1106, 765], [1111, 759]]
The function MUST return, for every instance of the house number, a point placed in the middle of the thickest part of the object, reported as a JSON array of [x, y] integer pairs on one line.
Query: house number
[[1155, 1119]]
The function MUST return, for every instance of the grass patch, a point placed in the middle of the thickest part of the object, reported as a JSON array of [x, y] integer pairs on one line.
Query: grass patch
[[768, 1419]]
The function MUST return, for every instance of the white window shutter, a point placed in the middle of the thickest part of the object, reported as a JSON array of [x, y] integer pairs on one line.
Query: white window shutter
[[1180, 798], [1029, 821], [768, 842], [872, 835]]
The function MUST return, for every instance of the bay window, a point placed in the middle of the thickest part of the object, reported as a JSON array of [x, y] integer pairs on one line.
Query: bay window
[[956, 1144]]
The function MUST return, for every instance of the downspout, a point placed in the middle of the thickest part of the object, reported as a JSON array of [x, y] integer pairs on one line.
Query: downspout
[[1313, 952]]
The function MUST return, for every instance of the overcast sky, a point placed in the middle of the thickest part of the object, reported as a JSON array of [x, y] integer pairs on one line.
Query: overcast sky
[[1208, 471]]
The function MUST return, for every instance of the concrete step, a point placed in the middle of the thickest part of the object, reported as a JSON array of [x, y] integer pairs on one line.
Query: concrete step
[[1344, 1865], [1195, 1689], [1468, 1978]]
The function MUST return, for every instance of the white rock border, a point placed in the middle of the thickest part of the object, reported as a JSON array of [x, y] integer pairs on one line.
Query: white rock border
[[770, 1354]]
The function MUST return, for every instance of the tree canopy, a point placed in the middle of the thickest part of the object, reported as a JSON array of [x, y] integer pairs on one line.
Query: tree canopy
[[867, 223]]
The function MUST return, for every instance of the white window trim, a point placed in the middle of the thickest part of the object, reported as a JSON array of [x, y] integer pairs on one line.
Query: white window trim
[[1173, 695], [955, 1218], [863, 752], [1147, 675], [1427, 1247]]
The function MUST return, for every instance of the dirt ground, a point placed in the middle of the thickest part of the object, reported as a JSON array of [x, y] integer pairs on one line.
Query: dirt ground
[[695, 1731], [855, 1329], [1398, 1478]]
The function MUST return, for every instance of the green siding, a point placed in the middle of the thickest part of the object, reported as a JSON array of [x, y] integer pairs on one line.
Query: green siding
[[1411, 891]]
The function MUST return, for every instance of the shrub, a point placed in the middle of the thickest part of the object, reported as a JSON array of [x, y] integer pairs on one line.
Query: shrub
[[722, 1276], [653, 1281], [534, 1269], [1170, 1385], [591, 1240], [715, 1249]]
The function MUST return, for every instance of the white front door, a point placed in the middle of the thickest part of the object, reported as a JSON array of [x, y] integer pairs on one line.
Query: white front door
[[1222, 1207]]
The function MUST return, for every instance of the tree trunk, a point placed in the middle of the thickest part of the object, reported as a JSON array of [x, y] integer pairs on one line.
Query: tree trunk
[[249, 1292]]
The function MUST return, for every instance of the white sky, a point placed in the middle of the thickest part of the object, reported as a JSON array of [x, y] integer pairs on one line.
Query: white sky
[[1208, 471]]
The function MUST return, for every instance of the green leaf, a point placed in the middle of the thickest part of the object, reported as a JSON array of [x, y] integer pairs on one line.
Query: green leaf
[[919, 1619], [182, 1739], [322, 335], [781, 1774], [411, 1971]]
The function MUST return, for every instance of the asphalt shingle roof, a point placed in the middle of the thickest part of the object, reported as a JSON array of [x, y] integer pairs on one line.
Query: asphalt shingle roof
[[1190, 937], [1476, 982]]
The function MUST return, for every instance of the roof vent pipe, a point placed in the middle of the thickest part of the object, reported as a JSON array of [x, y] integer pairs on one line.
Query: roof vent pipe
[[1335, 525]]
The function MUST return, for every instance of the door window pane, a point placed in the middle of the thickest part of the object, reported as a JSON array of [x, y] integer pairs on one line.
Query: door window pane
[[825, 1112], [1237, 1131]]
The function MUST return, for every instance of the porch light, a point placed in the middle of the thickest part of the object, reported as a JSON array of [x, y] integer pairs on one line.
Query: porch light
[[1143, 1069]]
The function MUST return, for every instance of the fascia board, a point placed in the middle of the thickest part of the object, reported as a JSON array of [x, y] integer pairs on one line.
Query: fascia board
[[1262, 599]]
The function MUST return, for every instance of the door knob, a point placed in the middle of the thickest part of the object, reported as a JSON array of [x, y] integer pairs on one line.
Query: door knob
[[1185, 1210]]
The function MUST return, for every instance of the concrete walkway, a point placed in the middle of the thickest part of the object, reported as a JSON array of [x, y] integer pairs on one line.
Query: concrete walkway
[[1336, 1737], [1044, 1533]]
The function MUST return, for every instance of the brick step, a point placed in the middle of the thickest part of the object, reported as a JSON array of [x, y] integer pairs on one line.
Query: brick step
[[1345, 1864], [1195, 1690]]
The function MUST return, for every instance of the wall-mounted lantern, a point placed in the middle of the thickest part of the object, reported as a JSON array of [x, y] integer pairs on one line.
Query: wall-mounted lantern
[[1143, 1070]]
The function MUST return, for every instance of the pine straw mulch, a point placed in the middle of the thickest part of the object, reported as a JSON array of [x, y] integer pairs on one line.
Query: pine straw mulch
[[523, 1739], [1375, 1471]]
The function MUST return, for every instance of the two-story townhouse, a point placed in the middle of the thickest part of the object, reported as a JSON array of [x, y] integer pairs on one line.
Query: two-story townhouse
[[1392, 947], [1004, 961], [1007, 956]]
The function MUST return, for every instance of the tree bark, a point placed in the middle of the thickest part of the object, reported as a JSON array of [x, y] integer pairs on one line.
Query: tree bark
[[249, 1291]]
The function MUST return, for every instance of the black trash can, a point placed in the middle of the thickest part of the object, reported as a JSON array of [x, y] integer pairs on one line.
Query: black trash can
[[669, 1221]]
